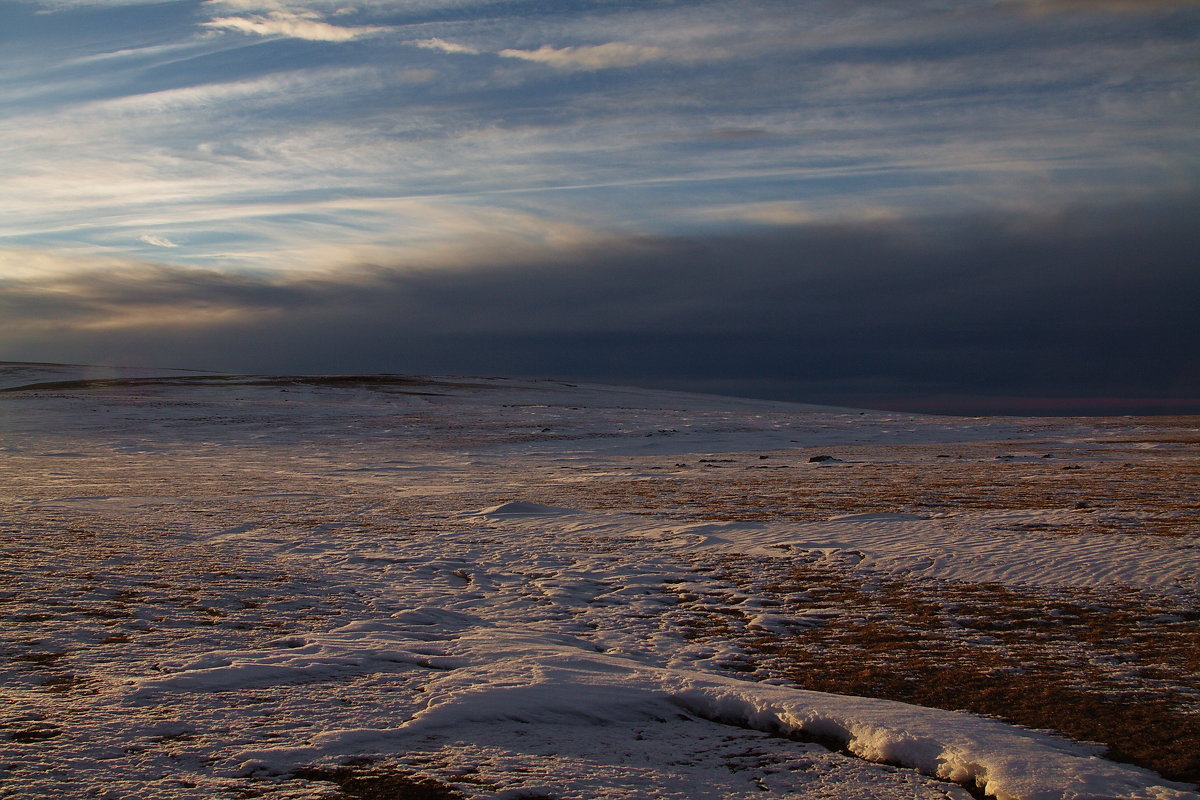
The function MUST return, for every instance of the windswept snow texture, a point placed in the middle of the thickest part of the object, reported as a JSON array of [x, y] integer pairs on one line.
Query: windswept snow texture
[[210, 583]]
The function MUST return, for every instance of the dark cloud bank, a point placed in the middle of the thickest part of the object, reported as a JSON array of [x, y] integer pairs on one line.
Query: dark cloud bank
[[1086, 311]]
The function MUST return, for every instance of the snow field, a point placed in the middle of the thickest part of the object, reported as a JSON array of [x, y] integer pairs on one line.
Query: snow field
[[208, 588]]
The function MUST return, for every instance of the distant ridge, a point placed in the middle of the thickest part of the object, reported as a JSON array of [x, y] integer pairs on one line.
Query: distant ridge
[[37, 364], [366, 381]]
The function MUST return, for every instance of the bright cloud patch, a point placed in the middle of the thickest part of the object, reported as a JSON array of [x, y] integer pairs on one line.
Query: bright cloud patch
[[589, 57], [157, 241], [444, 46], [298, 25]]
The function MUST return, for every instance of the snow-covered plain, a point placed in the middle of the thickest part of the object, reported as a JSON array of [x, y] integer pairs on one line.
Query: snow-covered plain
[[233, 587]]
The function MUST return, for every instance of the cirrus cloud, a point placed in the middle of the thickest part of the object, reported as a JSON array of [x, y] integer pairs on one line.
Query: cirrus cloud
[[444, 46], [299, 24], [591, 57], [157, 241]]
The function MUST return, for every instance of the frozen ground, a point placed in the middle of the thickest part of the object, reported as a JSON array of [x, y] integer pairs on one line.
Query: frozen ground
[[227, 587]]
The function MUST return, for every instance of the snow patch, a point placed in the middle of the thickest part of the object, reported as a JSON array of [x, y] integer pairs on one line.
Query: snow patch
[[1007, 762], [527, 678]]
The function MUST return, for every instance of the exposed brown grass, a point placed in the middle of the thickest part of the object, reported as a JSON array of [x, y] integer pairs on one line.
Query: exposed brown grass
[[34, 735], [1154, 496], [377, 784], [1117, 671]]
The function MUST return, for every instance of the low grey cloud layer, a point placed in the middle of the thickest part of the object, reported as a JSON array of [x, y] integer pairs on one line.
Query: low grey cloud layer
[[1086, 303], [1117, 6]]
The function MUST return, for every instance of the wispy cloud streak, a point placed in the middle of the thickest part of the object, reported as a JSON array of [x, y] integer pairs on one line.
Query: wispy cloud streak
[[157, 241], [306, 25], [591, 57], [445, 47]]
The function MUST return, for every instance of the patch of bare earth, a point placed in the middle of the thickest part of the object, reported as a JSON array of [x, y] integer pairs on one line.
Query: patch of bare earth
[[1122, 671], [1117, 488], [367, 783]]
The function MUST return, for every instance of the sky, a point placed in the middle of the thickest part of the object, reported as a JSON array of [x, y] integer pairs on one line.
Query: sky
[[966, 206]]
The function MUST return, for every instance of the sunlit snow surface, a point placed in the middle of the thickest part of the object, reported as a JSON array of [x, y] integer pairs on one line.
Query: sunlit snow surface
[[210, 583]]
